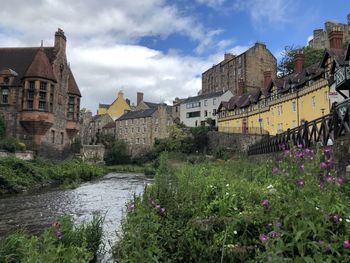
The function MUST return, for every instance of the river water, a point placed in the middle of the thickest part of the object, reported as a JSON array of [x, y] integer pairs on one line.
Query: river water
[[107, 196]]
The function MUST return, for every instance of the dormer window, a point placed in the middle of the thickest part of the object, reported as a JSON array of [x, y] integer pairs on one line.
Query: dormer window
[[5, 95]]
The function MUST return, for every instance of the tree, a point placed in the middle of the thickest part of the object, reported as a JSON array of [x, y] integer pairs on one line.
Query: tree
[[286, 65], [117, 153]]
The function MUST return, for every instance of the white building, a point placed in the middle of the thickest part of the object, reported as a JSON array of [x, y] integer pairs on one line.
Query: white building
[[194, 111]]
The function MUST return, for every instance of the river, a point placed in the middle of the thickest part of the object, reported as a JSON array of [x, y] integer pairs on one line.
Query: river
[[107, 196]]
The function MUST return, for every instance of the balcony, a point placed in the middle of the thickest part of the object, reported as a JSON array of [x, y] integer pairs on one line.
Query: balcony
[[36, 122], [342, 79], [72, 128]]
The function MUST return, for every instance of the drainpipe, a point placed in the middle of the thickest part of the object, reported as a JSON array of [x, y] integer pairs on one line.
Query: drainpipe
[[298, 108]]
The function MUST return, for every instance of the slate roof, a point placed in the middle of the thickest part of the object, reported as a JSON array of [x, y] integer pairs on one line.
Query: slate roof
[[203, 96], [72, 85], [138, 114], [104, 106], [152, 104], [40, 67]]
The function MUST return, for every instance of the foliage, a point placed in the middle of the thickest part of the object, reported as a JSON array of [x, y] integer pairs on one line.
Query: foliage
[[2, 127], [18, 175], [76, 145], [294, 210], [63, 242], [286, 65], [117, 153], [12, 145]]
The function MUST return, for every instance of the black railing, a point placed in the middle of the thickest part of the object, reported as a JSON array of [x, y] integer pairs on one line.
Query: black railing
[[324, 131]]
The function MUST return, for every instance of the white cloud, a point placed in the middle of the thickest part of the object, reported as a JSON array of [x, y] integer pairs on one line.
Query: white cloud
[[263, 12], [211, 3], [309, 38]]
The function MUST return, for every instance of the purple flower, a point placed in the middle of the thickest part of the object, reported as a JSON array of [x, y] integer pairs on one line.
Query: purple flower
[[158, 207], [265, 202], [330, 163], [308, 152], [346, 243], [275, 234], [300, 146], [275, 169], [302, 167], [327, 152], [329, 179], [131, 206], [299, 155], [264, 238], [162, 210], [300, 183], [321, 242], [323, 165], [58, 234], [340, 181], [321, 185]]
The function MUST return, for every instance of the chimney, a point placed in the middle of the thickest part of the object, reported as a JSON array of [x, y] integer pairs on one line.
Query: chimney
[[120, 94], [336, 38], [299, 61], [267, 78], [139, 97], [240, 87], [60, 41], [228, 56], [128, 101]]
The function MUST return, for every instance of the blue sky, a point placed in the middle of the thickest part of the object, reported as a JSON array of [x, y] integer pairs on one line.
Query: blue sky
[[159, 47]]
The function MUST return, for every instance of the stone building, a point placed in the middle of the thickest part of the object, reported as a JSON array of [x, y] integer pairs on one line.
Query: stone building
[[94, 128], [321, 37], [248, 67], [117, 108], [141, 127], [40, 99], [109, 129]]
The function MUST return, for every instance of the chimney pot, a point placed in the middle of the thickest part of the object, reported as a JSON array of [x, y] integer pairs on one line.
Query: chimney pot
[[60, 41]]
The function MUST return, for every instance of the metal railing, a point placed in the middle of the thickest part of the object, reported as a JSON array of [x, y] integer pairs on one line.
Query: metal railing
[[246, 130], [324, 130]]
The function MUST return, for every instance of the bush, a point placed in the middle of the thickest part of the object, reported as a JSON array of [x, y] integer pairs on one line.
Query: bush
[[117, 153], [64, 242], [294, 210], [12, 145], [2, 127]]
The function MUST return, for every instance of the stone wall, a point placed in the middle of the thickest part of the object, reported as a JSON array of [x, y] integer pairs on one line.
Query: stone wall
[[236, 143], [25, 155], [92, 153]]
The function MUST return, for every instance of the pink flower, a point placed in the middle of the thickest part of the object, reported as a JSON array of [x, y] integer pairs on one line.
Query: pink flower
[[275, 234], [264, 238], [158, 207], [340, 181], [302, 167], [346, 243], [329, 179], [275, 169], [323, 165], [300, 145], [300, 183], [131, 206], [265, 202]]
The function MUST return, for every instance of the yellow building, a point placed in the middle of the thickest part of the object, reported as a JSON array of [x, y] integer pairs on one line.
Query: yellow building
[[116, 109], [284, 103]]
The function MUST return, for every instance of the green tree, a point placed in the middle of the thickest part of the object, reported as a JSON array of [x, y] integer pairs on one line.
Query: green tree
[[2, 127], [286, 65], [117, 153]]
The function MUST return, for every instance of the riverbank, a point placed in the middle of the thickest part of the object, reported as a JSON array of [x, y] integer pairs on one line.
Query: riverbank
[[18, 176], [63, 242], [237, 211]]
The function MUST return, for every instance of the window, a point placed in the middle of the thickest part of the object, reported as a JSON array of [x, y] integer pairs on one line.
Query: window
[[5, 95], [193, 105], [42, 96], [294, 106], [126, 122], [176, 109], [205, 113], [144, 140], [62, 137], [132, 129], [206, 103], [313, 102], [137, 140], [280, 128], [71, 106], [214, 101], [156, 121], [156, 129], [30, 96], [144, 129], [51, 98], [279, 109], [214, 112], [52, 136], [193, 114], [138, 129]]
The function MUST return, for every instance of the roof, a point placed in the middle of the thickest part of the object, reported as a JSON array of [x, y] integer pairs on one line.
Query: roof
[[152, 104], [72, 85], [21, 59], [138, 114], [40, 67], [203, 96]]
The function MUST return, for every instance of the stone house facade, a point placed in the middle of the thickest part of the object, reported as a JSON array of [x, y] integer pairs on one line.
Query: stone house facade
[[248, 67], [40, 99], [321, 37], [94, 128], [140, 128]]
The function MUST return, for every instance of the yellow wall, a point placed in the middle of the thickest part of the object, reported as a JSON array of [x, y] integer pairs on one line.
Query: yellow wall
[[117, 108], [280, 114]]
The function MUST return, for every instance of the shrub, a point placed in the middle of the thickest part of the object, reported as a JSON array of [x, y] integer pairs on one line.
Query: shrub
[[12, 145], [2, 127], [117, 154]]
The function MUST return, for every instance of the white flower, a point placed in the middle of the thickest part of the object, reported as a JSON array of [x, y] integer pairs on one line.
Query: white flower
[[235, 208], [235, 232], [227, 193], [347, 220], [270, 186], [210, 186], [317, 208], [272, 191], [340, 219], [228, 185]]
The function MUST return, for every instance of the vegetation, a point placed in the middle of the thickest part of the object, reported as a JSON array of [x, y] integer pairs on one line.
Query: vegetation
[[17, 175], [2, 127], [63, 242], [116, 152], [311, 56], [294, 210]]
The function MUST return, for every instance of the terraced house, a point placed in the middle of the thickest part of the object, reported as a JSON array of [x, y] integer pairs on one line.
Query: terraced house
[[40, 99]]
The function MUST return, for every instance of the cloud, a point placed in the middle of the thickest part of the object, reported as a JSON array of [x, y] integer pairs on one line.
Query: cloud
[[211, 3], [267, 12]]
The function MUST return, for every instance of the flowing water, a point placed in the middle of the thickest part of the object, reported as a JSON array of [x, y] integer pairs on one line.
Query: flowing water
[[107, 196]]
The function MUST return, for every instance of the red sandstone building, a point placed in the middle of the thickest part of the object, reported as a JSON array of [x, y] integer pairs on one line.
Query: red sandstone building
[[39, 97]]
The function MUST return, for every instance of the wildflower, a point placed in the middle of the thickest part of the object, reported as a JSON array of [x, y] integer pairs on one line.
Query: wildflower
[[265, 202], [131, 206], [269, 258], [235, 232], [264, 238], [227, 193], [158, 207], [347, 220], [346, 243], [162, 210], [227, 185], [321, 185], [275, 169], [329, 179], [302, 167], [300, 183], [340, 181], [299, 155], [330, 163], [270, 186], [308, 152], [58, 232], [286, 153], [317, 208], [323, 165], [336, 218], [300, 146], [327, 152], [275, 234]]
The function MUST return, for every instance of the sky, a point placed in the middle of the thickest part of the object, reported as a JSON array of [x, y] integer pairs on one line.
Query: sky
[[159, 47]]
